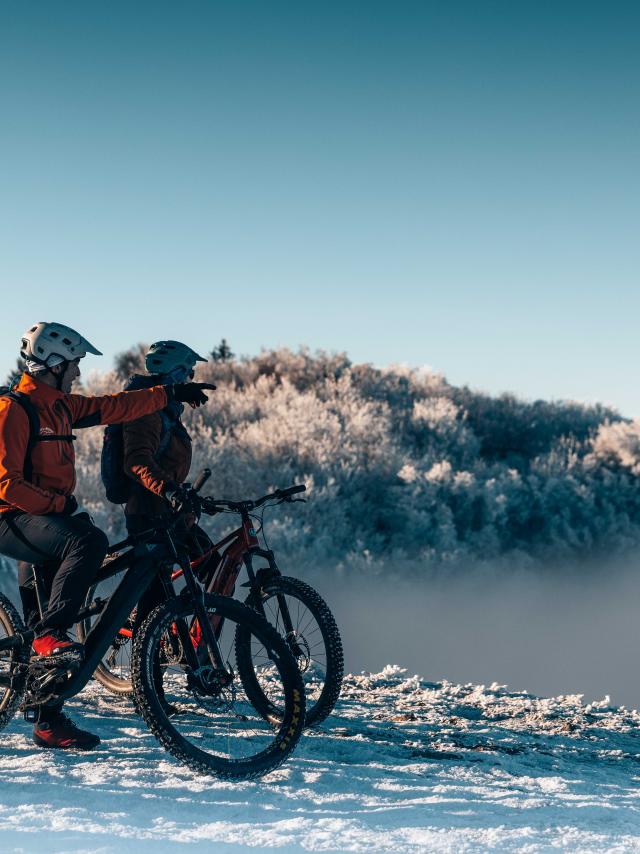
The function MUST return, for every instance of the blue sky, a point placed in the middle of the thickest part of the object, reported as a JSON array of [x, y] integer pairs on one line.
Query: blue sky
[[451, 184]]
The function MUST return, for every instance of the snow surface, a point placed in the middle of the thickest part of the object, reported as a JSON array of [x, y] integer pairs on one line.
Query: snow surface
[[403, 766]]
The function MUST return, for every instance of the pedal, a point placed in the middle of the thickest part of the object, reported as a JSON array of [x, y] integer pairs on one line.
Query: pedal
[[60, 659]]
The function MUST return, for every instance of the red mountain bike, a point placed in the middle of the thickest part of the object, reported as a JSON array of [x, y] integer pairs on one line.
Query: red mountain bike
[[294, 608]]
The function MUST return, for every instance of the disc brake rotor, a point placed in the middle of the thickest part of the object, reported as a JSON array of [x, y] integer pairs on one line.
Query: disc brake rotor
[[300, 649], [171, 649]]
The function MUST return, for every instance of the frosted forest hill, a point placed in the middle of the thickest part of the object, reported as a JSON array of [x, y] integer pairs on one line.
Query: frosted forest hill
[[403, 469]]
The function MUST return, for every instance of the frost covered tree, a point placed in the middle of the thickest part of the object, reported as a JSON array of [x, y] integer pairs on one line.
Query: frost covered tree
[[130, 362], [222, 353], [15, 374], [403, 470]]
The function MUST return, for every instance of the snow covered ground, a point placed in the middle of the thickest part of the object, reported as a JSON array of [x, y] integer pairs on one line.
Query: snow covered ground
[[403, 766]]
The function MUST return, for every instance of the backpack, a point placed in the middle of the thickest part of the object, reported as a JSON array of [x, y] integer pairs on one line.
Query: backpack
[[118, 486], [23, 401]]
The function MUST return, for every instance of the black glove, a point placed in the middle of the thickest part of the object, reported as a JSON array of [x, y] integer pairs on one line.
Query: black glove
[[208, 505], [70, 505], [191, 393], [180, 497]]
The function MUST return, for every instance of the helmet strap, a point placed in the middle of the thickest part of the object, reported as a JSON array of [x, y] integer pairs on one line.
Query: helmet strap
[[59, 377]]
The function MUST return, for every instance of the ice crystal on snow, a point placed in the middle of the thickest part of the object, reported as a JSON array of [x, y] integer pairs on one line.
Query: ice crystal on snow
[[403, 765]]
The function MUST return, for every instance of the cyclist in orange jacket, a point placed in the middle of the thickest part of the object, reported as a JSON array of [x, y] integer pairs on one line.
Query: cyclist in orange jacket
[[37, 480]]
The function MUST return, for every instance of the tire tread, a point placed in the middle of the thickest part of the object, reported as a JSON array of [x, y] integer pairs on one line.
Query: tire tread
[[157, 723]]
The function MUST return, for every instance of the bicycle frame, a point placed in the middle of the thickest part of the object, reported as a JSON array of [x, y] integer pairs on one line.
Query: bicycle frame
[[142, 563], [242, 546]]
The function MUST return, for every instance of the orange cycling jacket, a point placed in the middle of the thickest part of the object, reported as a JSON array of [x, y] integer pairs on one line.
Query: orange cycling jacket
[[54, 474]]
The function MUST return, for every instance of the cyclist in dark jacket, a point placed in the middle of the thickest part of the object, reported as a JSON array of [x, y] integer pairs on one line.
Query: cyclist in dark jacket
[[158, 476], [157, 464]]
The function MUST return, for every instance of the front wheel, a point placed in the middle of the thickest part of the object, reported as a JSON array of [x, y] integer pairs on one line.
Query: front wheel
[[204, 717], [13, 663], [302, 617]]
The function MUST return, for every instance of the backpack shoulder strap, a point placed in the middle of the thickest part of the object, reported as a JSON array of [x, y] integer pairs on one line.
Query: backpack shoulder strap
[[165, 435], [34, 427]]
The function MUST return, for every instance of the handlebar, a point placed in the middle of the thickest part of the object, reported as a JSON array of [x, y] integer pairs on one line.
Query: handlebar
[[211, 505]]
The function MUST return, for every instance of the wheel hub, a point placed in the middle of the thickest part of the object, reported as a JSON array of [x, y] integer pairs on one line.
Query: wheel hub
[[214, 688], [300, 649]]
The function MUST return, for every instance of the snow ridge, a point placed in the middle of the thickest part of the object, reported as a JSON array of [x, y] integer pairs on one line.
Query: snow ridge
[[404, 765]]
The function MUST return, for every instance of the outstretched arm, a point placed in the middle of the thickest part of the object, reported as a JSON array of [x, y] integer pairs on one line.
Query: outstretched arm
[[130, 405], [115, 408]]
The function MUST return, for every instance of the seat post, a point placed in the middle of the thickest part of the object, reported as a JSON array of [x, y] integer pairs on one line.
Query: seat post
[[39, 589]]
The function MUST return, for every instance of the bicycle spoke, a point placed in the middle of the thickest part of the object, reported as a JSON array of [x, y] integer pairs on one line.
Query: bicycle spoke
[[222, 722]]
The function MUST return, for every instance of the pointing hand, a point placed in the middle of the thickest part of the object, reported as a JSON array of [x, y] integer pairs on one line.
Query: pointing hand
[[192, 393]]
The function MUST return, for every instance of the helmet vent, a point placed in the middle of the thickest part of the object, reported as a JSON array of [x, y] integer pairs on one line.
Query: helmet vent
[[53, 335]]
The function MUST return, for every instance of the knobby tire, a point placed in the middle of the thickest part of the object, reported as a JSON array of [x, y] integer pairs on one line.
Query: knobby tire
[[11, 697], [317, 709], [286, 731]]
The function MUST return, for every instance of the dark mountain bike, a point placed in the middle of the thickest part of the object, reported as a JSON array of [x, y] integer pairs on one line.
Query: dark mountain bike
[[202, 700], [292, 607]]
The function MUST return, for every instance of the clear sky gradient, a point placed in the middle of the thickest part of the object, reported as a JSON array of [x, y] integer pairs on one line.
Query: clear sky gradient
[[451, 184]]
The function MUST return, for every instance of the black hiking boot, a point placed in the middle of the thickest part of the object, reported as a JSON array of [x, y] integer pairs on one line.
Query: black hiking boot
[[60, 732]]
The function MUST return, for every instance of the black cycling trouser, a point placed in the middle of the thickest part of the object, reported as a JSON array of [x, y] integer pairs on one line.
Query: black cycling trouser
[[69, 550]]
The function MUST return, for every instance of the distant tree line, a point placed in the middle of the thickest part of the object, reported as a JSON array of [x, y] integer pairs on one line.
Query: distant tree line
[[403, 469]]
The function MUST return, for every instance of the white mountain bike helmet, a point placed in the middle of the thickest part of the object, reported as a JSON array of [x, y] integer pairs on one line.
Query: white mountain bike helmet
[[50, 344], [166, 356]]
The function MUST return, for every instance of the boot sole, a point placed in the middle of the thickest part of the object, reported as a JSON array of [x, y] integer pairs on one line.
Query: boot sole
[[57, 659], [40, 743]]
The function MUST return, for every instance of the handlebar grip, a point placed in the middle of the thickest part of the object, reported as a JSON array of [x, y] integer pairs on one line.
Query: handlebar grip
[[293, 490], [202, 478]]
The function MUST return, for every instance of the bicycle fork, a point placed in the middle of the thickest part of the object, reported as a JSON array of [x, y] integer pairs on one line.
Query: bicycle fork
[[257, 581], [208, 641]]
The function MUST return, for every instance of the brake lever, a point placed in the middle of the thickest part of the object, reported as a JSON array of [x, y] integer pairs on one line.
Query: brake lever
[[296, 500], [208, 509]]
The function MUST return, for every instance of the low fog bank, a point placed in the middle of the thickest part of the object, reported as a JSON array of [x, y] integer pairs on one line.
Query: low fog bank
[[565, 632], [572, 633]]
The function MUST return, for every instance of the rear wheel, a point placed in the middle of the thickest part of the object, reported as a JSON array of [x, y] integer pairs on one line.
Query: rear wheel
[[206, 718], [114, 671], [13, 663], [313, 639]]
